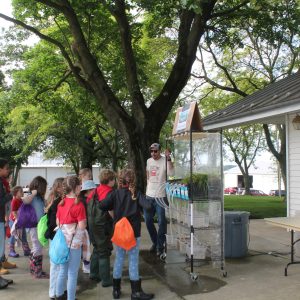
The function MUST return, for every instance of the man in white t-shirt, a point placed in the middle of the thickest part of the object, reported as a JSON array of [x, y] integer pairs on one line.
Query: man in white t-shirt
[[157, 168]]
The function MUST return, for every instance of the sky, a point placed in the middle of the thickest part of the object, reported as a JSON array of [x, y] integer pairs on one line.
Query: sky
[[5, 8]]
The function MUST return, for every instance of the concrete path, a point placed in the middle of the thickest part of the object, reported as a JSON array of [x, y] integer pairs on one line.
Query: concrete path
[[258, 276]]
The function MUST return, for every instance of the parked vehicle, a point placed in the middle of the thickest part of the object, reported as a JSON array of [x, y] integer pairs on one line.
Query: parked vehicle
[[230, 190], [276, 193], [254, 192]]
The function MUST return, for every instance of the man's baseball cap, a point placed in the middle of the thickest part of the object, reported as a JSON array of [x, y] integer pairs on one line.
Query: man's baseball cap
[[155, 146]]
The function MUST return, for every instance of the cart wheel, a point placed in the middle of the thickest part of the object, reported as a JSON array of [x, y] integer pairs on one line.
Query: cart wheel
[[224, 274], [163, 257], [194, 276]]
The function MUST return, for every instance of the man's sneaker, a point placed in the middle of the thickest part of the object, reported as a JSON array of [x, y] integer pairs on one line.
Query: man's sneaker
[[152, 249], [160, 252], [7, 265], [86, 267]]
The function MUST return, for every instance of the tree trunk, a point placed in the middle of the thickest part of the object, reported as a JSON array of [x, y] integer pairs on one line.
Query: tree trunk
[[88, 154], [138, 143], [16, 174], [281, 154]]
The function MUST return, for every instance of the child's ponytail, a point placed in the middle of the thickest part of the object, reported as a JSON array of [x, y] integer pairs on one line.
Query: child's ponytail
[[69, 185]]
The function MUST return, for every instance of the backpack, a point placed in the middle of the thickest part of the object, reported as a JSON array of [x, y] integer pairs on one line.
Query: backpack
[[41, 229], [59, 252], [100, 226], [26, 216], [123, 234]]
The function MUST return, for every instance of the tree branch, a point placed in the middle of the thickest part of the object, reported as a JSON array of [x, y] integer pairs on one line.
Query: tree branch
[[55, 87], [215, 84], [119, 12], [89, 67], [229, 11], [192, 27], [52, 41]]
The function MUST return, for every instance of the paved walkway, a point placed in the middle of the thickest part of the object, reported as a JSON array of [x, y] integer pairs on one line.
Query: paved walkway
[[258, 276]]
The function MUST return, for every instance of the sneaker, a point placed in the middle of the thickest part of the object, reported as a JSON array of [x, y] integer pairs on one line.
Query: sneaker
[[159, 252], [7, 265], [86, 267], [3, 271], [13, 254]]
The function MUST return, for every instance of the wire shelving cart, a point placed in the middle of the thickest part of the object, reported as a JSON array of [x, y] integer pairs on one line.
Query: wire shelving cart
[[196, 201]]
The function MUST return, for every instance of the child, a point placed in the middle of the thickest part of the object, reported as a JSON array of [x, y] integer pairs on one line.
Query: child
[[51, 210], [127, 202], [38, 184], [85, 174], [101, 229], [86, 189], [71, 217], [5, 197], [16, 202]]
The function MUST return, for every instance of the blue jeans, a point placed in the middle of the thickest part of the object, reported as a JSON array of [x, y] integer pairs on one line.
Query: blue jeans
[[54, 271], [133, 261], [158, 238], [2, 239], [69, 272]]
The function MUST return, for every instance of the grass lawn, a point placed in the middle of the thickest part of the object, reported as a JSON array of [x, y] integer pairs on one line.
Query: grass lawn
[[259, 206]]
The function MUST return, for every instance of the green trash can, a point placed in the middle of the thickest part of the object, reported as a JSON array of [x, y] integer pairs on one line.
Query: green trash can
[[236, 233]]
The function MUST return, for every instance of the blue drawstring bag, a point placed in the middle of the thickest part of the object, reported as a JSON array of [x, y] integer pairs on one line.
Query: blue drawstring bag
[[59, 251], [26, 216]]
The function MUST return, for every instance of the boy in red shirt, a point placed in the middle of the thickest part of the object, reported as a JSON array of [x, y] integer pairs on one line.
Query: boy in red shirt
[[100, 229], [16, 202]]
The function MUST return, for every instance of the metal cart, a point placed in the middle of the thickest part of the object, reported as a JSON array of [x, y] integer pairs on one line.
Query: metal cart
[[196, 202]]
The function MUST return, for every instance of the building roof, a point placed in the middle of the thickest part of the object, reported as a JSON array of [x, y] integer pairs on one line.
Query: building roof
[[269, 105]]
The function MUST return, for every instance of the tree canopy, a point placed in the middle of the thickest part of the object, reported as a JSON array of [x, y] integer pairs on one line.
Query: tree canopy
[[133, 58]]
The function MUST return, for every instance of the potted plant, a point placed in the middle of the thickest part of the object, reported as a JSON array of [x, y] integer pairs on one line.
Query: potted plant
[[197, 186]]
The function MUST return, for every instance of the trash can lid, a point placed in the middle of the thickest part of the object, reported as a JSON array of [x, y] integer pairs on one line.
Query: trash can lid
[[236, 213]]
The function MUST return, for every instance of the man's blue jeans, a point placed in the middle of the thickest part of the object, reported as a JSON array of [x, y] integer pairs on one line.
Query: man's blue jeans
[[158, 238]]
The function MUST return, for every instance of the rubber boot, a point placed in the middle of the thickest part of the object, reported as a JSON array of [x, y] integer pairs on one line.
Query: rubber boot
[[137, 292], [94, 267], [38, 264], [31, 263], [26, 249], [3, 283], [104, 271], [116, 288]]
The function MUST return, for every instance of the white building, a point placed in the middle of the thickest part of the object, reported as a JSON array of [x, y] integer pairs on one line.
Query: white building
[[264, 176], [49, 169], [277, 103]]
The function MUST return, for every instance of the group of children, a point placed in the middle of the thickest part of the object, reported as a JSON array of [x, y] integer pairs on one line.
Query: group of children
[[85, 213]]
